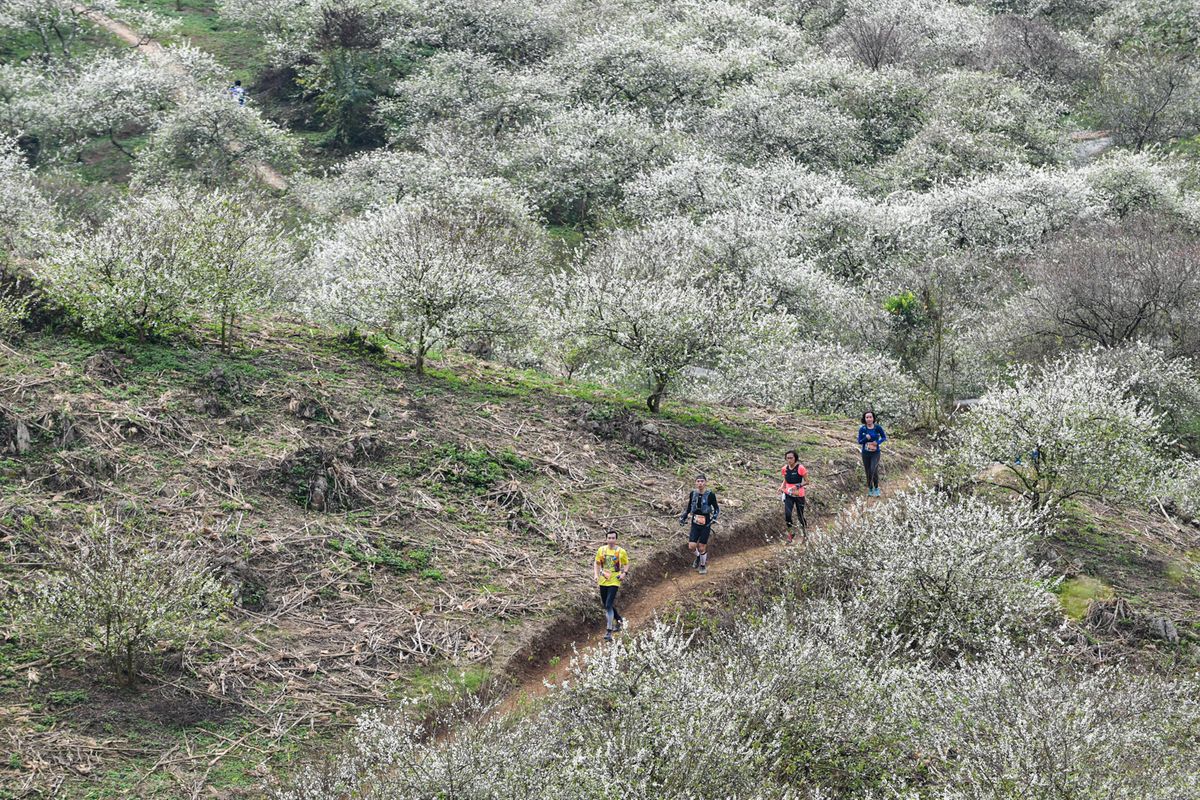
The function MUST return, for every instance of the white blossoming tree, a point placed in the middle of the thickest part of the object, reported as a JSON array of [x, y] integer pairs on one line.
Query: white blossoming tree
[[165, 259], [57, 23], [208, 139], [120, 593], [648, 294], [26, 222], [1072, 428], [426, 273], [776, 362]]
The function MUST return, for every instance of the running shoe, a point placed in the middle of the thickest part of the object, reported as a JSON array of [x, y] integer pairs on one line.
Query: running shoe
[[696, 562], [703, 569], [608, 636], [790, 538], [620, 625]]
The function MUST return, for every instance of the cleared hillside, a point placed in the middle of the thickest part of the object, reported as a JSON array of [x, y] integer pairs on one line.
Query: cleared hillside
[[380, 531]]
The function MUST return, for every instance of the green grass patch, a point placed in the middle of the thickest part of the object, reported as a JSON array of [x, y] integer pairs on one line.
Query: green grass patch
[[399, 560], [473, 467], [1076, 593], [439, 687], [241, 50]]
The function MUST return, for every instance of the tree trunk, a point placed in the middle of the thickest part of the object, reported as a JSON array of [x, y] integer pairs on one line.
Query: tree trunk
[[654, 401]]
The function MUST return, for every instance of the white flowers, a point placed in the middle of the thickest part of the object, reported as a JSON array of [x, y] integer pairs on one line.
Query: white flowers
[[120, 592], [426, 272], [165, 258], [913, 654], [1072, 428]]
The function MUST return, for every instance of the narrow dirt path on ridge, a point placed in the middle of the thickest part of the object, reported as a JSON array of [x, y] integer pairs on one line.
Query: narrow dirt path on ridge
[[156, 54], [760, 542]]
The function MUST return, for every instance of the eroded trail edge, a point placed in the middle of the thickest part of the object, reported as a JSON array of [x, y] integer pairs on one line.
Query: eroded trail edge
[[666, 580]]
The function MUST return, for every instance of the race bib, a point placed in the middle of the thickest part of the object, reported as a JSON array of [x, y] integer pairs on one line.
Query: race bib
[[701, 519]]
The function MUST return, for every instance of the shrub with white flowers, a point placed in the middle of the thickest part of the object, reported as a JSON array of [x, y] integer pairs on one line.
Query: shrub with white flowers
[[26, 217], [56, 23], [945, 578], [805, 693], [210, 139], [650, 295], [575, 164], [757, 123], [427, 273], [778, 363], [1072, 428], [165, 258], [121, 592]]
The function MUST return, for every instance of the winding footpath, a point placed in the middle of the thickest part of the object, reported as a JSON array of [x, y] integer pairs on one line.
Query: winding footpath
[[752, 547], [157, 55]]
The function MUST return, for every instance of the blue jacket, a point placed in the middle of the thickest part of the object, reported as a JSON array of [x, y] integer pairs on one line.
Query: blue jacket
[[875, 434]]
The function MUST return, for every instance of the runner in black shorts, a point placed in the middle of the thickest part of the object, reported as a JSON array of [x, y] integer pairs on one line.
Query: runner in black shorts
[[702, 510]]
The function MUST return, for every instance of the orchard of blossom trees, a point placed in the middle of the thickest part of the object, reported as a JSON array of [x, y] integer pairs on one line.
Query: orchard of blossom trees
[[819, 206]]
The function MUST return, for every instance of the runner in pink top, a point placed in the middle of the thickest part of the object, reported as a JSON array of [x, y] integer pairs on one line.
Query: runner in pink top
[[795, 479]]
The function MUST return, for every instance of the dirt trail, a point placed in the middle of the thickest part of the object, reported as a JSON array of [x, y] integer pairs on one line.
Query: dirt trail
[[158, 55], [670, 580]]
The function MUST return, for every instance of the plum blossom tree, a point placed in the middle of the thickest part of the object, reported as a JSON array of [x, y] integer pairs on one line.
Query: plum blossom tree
[[649, 294], [1072, 428], [212, 141], [575, 164], [468, 94], [27, 222], [757, 123], [631, 70], [777, 363], [163, 259], [119, 593], [57, 23], [26, 217], [426, 273]]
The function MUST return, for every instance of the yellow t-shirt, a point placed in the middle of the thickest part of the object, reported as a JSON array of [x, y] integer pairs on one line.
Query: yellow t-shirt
[[611, 559]]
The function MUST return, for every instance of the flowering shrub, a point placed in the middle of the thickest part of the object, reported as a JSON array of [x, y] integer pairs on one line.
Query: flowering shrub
[[779, 365], [26, 217], [948, 579], [425, 273], [647, 294], [121, 592], [756, 123], [856, 699], [575, 164], [165, 258], [211, 140], [1074, 427]]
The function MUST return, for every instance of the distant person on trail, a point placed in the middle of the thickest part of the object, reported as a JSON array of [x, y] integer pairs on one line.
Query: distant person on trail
[[610, 568], [870, 437], [237, 92], [795, 479], [702, 510]]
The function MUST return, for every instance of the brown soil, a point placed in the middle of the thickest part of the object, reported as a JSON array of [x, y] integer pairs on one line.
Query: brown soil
[[668, 581]]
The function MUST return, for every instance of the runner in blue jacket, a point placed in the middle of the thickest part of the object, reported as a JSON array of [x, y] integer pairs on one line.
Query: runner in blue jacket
[[870, 437]]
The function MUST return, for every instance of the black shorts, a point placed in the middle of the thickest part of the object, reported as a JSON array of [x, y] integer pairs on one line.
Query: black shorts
[[699, 533]]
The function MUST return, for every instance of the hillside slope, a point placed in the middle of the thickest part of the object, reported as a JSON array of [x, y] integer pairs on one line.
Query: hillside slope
[[379, 530]]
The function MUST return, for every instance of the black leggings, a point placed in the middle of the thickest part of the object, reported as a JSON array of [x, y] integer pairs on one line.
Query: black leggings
[[608, 596], [790, 502], [871, 465]]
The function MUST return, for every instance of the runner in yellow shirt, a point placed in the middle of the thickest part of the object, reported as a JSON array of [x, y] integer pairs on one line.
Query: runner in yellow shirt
[[610, 568]]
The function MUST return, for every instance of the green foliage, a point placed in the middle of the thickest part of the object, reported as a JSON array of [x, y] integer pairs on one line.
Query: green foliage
[[1076, 593], [399, 560], [476, 468], [904, 306]]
